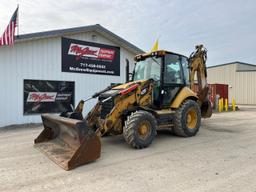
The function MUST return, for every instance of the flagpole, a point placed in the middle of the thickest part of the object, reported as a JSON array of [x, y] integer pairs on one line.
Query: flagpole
[[18, 15]]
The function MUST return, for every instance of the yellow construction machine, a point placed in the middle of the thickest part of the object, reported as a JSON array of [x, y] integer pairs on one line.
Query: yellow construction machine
[[159, 95]]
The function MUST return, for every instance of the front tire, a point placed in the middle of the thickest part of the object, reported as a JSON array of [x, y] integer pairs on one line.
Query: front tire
[[140, 129], [187, 120]]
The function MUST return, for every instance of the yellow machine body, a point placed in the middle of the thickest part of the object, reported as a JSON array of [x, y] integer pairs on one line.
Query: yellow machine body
[[130, 109]]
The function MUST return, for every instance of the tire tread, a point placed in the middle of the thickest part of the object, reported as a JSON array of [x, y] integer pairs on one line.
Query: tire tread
[[129, 128], [179, 128]]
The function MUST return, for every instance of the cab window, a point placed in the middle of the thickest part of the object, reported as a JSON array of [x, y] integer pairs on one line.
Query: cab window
[[148, 69], [184, 63], [172, 72]]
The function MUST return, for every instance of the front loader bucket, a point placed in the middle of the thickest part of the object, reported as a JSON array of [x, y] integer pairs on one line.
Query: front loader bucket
[[68, 142]]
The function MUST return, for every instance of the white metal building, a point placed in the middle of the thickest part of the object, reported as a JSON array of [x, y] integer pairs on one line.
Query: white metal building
[[241, 78], [38, 56]]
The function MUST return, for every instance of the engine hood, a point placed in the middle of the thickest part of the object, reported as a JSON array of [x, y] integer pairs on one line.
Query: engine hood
[[129, 84]]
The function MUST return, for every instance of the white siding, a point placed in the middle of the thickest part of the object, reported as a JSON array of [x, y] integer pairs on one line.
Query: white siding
[[241, 84], [246, 87], [41, 59]]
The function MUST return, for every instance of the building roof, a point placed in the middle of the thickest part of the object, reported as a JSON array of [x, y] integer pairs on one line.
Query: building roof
[[70, 31], [232, 63]]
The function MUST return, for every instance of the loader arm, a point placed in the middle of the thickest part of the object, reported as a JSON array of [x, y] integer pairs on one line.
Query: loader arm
[[137, 94], [197, 66]]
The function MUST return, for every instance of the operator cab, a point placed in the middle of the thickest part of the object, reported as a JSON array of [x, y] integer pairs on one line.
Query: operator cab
[[169, 71]]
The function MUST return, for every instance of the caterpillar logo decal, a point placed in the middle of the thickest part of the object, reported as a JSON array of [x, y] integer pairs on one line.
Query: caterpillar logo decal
[[144, 91]]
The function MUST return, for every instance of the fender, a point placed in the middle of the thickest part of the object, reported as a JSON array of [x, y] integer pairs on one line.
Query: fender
[[183, 95]]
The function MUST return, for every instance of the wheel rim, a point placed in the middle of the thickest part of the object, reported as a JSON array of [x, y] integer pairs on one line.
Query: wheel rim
[[191, 118], [144, 129]]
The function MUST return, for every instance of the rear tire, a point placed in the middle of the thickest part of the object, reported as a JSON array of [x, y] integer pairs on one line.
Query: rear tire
[[187, 120], [140, 129]]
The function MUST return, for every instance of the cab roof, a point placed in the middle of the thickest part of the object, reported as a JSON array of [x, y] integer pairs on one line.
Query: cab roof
[[155, 53]]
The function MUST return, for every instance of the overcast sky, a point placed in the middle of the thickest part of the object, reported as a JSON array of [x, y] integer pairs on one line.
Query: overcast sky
[[227, 28]]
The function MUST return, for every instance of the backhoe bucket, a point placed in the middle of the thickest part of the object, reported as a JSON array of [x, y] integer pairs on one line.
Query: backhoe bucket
[[206, 109], [68, 142]]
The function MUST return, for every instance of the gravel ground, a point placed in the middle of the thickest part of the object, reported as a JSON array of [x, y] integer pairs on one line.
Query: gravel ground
[[222, 157]]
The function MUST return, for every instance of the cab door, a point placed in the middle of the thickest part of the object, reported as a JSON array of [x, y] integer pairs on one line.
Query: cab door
[[172, 79]]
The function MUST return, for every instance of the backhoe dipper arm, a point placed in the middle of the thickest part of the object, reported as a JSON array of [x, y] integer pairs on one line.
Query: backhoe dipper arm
[[197, 64]]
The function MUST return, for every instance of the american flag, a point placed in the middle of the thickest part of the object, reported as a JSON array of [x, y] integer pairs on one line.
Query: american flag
[[8, 36]]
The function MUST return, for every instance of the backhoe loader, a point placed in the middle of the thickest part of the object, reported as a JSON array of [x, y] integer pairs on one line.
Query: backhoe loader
[[159, 95]]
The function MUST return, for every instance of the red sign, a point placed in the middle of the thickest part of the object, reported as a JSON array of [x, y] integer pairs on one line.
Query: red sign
[[41, 96], [90, 51]]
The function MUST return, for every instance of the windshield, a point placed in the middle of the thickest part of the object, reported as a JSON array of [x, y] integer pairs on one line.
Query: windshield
[[148, 69]]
